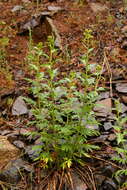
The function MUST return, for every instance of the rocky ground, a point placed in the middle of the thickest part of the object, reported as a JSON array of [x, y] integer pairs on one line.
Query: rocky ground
[[67, 20]]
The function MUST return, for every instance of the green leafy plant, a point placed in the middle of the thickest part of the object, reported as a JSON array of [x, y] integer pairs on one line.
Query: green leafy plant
[[62, 112], [121, 138], [88, 38]]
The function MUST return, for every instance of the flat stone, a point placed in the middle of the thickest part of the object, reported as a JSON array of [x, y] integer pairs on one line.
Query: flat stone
[[104, 95], [98, 7], [8, 152], [5, 132], [17, 8], [121, 87], [52, 29], [19, 107], [107, 126], [54, 8], [109, 184], [96, 127], [12, 137], [103, 107], [12, 172], [31, 153], [19, 144], [123, 108], [78, 183]]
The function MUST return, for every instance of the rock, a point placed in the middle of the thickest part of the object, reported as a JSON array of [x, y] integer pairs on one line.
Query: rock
[[104, 95], [107, 126], [19, 144], [8, 152], [36, 20], [97, 7], [51, 29], [17, 8], [121, 87], [5, 132], [19, 107], [12, 172], [30, 24], [54, 8], [31, 153], [108, 184], [101, 138], [109, 170], [123, 108], [111, 117], [96, 127], [99, 180], [78, 183], [103, 107], [11, 137]]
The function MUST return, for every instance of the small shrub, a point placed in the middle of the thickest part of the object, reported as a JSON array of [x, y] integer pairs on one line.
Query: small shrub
[[62, 110], [121, 138]]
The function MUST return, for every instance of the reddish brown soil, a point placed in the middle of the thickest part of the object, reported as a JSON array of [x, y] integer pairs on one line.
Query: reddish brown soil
[[71, 23]]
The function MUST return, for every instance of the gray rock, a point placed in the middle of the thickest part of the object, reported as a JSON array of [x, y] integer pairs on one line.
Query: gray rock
[[97, 7], [12, 172], [12, 137], [5, 132], [109, 184], [111, 117], [103, 107], [19, 144], [17, 8], [102, 138], [32, 23], [121, 87], [109, 170], [104, 95], [107, 126], [123, 108], [54, 8], [31, 153], [96, 127], [51, 29], [19, 107], [78, 184], [99, 179]]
